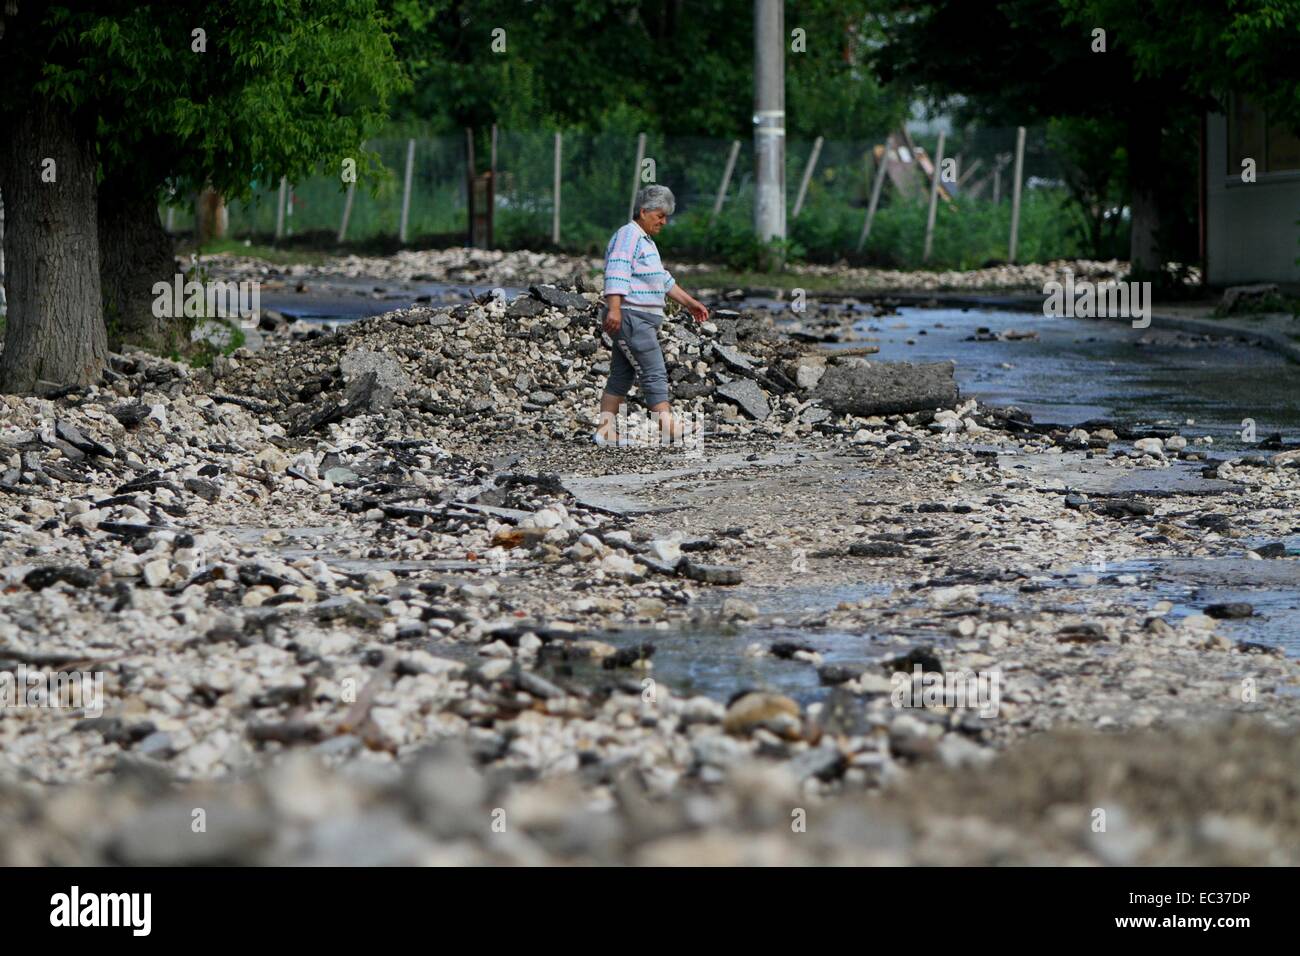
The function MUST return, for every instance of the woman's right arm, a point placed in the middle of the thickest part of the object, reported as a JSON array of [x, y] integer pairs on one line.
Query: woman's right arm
[[614, 315], [618, 275]]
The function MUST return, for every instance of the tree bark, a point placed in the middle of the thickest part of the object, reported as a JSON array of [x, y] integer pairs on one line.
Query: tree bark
[[1144, 174], [54, 331], [136, 252], [209, 216]]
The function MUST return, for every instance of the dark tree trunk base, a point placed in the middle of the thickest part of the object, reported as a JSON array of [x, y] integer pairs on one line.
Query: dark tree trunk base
[[135, 253], [54, 330], [1145, 176]]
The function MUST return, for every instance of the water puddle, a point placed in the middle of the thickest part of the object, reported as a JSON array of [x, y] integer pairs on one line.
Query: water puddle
[[340, 299], [1190, 585], [1078, 369], [711, 659]]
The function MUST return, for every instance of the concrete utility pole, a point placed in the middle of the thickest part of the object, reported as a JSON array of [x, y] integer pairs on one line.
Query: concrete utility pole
[[769, 119]]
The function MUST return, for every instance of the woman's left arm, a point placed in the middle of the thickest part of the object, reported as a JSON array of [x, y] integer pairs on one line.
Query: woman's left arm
[[684, 298]]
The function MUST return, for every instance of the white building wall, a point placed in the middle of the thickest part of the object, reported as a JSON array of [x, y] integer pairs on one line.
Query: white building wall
[[1252, 229]]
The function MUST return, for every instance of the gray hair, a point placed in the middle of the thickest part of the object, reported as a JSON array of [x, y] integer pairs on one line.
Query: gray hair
[[653, 197]]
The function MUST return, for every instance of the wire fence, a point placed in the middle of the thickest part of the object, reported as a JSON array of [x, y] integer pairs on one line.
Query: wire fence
[[829, 187]]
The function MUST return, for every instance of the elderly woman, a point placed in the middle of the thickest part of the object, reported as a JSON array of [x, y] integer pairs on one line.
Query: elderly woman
[[636, 283]]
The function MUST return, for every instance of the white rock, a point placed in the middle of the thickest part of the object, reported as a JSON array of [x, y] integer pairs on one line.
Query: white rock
[[666, 550], [618, 564], [496, 667], [381, 579], [157, 572]]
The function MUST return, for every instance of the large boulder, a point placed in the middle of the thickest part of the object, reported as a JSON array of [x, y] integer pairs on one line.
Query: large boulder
[[373, 379], [747, 396], [1262, 297], [856, 386]]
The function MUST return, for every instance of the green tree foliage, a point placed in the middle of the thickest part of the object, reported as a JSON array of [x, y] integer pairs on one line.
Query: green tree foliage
[[831, 89], [1210, 48], [1165, 63], [279, 87], [225, 93], [1094, 172], [458, 80], [672, 66]]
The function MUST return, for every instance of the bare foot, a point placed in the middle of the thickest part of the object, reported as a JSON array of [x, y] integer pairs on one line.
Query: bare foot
[[607, 433], [671, 431]]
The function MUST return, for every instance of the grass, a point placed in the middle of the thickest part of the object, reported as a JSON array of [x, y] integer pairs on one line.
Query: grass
[[271, 254], [968, 234], [201, 353]]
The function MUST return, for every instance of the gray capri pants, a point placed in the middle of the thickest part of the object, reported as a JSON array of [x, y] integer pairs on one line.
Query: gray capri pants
[[636, 355]]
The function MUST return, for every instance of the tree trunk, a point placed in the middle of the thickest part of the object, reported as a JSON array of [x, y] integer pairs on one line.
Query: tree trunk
[[55, 329], [1144, 174], [210, 216], [135, 253]]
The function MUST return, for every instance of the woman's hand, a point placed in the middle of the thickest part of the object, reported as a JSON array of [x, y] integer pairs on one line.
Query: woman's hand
[[613, 319], [689, 302]]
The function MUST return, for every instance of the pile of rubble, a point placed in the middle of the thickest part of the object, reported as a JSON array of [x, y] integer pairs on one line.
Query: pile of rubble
[[1063, 799], [1029, 276], [458, 265], [480, 369]]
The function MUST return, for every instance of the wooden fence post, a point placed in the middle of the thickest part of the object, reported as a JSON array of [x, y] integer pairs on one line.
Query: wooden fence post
[[555, 192], [875, 194], [636, 175], [406, 191], [492, 192], [807, 176], [726, 181], [1015, 194], [934, 198], [279, 209], [469, 185], [347, 212]]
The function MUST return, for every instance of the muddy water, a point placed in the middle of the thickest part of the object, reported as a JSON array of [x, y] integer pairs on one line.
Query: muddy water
[[341, 299], [1078, 369]]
